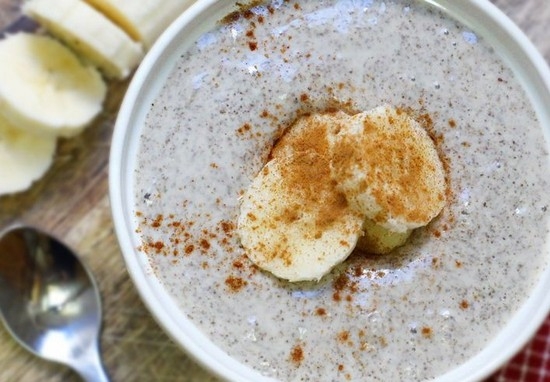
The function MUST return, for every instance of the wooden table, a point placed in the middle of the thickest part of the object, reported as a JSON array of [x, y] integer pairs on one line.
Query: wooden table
[[71, 202]]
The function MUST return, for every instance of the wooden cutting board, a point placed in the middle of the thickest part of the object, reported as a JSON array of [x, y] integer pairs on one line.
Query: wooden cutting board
[[71, 202]]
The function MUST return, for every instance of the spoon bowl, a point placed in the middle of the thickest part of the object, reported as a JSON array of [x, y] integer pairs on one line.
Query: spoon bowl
[[49, 301]]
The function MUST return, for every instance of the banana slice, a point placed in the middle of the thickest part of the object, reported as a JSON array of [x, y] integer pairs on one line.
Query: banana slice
[[143, 20], [388, 167], [44, 88], [293, 225], [379, 240], [89, 33], [24, 157]]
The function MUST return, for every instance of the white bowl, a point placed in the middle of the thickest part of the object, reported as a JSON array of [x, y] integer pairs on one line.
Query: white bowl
[[486, 20]]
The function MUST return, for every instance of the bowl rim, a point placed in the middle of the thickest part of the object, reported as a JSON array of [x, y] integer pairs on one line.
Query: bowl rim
[[527, 63]]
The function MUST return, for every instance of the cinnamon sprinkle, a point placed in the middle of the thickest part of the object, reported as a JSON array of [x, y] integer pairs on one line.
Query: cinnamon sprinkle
[[307, 174]]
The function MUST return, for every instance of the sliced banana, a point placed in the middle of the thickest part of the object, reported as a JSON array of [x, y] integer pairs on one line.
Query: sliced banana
[[143, 20], [388, 167], [379, 240], [89, 33], [45, 88], [24, 157], [334, 181], [286, 230]]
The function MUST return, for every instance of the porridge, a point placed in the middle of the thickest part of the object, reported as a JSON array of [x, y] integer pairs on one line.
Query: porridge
[[426, 307]]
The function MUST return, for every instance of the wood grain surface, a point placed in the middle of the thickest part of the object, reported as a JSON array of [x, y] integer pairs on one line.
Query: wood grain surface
[[71, 202]]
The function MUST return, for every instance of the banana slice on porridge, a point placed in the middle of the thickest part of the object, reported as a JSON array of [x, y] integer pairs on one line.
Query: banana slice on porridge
[[293, 222], [335, 182], [379, 240], [388, 167]]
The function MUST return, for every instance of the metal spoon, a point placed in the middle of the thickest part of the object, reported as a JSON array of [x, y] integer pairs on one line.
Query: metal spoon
[[49, 301]]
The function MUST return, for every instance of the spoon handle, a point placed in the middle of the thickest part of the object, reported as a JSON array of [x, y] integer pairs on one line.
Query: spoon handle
[[90, 367]]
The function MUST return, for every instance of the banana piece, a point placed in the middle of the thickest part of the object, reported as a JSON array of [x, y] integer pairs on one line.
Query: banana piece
[[389, 169], [379, 240], [143, 20], [89, 33], [24, 157], [286, 233], [45, 88]]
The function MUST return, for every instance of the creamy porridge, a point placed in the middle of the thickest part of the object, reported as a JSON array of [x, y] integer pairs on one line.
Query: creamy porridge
[[424, 309]]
